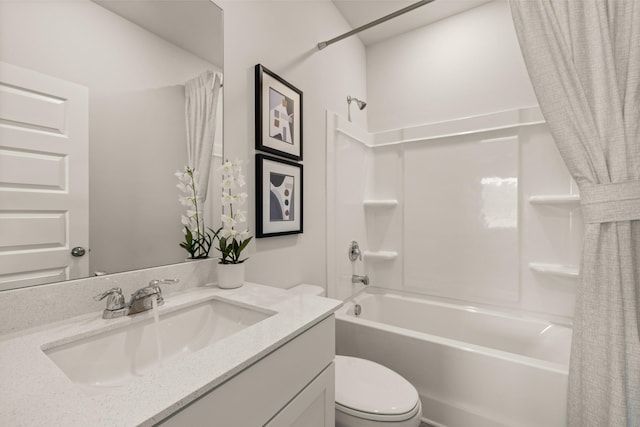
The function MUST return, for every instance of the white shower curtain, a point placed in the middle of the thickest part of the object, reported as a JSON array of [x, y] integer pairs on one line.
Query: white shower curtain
[[201, 103], [583, 58]]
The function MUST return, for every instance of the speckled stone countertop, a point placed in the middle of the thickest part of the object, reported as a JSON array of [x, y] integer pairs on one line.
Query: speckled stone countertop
[[34, 391]]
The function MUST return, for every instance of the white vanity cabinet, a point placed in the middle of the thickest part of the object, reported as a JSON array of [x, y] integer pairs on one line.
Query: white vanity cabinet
[[291, 386]]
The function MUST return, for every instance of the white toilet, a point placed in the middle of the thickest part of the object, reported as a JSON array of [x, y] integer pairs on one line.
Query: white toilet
[[369, 394]]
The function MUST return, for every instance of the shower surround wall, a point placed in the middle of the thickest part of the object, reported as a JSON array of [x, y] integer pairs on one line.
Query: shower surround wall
[[463, 226], [444, 210]]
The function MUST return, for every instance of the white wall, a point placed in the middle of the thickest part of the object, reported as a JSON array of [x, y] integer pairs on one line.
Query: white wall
[[137, 129], [282, 36], [465, 65]]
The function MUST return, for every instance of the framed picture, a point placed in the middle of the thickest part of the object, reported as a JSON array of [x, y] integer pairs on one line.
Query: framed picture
[[278, 197], [278, 115]]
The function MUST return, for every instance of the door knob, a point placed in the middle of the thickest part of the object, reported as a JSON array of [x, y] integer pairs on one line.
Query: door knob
[[78, 251]]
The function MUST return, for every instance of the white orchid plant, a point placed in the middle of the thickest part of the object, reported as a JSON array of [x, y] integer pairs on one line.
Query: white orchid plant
[[197, 240], [233, 238]]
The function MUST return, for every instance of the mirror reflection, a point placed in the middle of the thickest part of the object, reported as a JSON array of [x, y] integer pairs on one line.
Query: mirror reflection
[[93, 126]]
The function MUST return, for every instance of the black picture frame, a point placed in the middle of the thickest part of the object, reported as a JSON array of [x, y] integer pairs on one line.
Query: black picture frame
[[278, 115], [279, 210]]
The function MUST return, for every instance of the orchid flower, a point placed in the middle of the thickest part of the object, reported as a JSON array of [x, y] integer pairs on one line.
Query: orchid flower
[[232, 241], [198, 241]]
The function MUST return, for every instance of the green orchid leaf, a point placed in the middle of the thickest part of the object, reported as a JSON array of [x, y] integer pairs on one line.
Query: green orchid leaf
[[244, 244]]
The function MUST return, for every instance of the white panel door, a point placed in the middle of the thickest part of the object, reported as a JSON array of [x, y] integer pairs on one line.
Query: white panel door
[[44, 178]]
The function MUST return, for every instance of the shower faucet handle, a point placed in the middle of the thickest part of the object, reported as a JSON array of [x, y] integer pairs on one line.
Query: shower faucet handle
[[354, 252]]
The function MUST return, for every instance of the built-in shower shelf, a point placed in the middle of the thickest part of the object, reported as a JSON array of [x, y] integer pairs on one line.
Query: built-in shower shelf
[[380, 203], [555, 199], [379, 256], [558, 270]]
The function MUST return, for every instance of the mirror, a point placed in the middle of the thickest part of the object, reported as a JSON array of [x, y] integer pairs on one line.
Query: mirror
[[121, 69]]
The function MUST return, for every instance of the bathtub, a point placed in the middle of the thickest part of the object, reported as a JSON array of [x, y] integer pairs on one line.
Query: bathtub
[[473, 367]]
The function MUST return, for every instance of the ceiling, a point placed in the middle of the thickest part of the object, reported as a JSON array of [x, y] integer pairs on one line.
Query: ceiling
[[168, 19], [360, 12]]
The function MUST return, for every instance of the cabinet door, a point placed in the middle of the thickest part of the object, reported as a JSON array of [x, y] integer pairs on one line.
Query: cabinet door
[[253, 396], [313, 406]]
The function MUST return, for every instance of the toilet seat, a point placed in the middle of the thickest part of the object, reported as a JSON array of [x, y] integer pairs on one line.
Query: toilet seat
[[378, 417], [370, 391]]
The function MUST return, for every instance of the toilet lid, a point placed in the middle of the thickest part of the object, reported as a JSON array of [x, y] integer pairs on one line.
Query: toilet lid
[[369, 387]]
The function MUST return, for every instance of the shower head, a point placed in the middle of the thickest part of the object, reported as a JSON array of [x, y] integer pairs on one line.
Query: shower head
[[361, 104]]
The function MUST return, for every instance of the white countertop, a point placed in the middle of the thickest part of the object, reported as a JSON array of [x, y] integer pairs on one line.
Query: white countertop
[[34, 391]]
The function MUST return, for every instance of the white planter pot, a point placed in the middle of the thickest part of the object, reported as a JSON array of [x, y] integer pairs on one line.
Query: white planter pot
[[230, 275]]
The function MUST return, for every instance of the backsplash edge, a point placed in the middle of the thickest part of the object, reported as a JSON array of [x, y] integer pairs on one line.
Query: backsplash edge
[[34, 306]]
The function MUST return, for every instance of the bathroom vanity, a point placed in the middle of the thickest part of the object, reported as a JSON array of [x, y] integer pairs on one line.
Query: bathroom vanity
[[251, 356]]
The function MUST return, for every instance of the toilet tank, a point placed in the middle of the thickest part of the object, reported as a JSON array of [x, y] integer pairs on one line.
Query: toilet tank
[[306, 289]]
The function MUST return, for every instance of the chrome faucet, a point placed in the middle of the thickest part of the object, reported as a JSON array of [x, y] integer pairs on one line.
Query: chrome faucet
[[141, 300], [360, 279], [116, 305]]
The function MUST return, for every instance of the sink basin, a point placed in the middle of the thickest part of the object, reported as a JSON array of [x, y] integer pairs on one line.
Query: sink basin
[[112, 358]]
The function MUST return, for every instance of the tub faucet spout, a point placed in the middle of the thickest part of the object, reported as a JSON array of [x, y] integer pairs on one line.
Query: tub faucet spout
[[360, 279]]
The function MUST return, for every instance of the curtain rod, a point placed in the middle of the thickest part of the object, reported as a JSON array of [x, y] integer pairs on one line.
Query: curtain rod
[[399, 12]]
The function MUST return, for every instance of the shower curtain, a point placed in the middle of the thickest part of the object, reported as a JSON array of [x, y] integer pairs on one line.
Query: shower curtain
[[201, 103], [583, 58]]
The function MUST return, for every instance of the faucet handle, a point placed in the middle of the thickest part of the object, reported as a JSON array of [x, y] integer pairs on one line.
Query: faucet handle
[[156, 282], [153, 288], [354, 251], [115, 301], [107, 293]]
